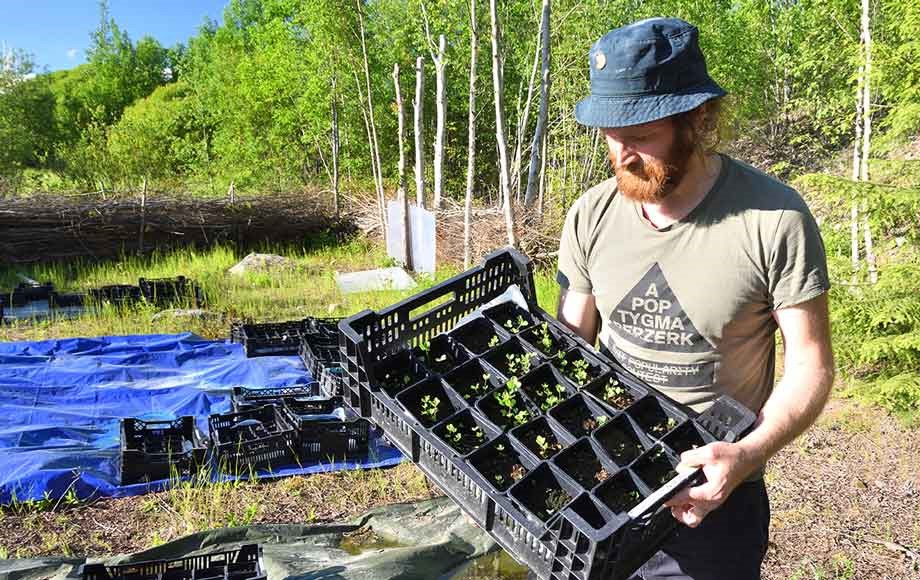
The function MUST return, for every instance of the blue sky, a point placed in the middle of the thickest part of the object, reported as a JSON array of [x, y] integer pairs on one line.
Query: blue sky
[[57, 32]]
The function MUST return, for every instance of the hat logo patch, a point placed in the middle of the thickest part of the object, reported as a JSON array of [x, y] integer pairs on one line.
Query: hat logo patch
[[600, 60]]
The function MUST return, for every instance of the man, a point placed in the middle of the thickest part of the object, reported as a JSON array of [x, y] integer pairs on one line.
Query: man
[[683, 266]]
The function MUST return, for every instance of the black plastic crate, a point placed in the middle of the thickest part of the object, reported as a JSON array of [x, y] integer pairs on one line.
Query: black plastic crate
[[67, 300], [320, 354], [260, 438], [118, 294], [24, 293], [322, 436], [164, 291], [270, 338], [244, 398], [154, 450], [242, 564], [580, 536]]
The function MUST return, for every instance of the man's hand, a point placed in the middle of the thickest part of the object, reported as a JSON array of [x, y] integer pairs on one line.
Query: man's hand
[[793, 406], [725, 465]]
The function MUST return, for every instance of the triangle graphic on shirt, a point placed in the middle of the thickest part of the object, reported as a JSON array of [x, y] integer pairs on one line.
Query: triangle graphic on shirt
[[651, 316]]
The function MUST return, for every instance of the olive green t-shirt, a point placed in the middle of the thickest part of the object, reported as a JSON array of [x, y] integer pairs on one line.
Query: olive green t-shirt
[[689, 307]]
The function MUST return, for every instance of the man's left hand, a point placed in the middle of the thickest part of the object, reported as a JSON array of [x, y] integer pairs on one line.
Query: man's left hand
[[725, 466]]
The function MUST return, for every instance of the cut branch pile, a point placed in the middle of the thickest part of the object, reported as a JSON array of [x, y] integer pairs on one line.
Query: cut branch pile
[[55, 227]]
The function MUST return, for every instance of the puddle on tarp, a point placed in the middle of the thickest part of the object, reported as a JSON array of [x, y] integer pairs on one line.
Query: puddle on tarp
[[497, 565], [365, 539]]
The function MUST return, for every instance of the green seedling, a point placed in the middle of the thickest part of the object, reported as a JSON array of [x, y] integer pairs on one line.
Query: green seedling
[[453, 434], [430, 407], [508, 403], [546, 449], [616, 394], [663, 427], [550, 396], [544, 338], [555, 501], [493, 342], [519, 364], [517, 325]]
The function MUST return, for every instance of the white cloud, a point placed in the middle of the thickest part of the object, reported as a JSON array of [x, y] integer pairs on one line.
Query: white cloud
[[72, 54]]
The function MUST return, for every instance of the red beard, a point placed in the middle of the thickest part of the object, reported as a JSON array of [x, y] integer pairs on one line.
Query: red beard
[[652, 180]]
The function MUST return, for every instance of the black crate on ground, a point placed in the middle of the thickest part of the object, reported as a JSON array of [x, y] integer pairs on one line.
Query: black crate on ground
[[117, 294], [67, 300], [244, 398], [242, 564], [323, 436], [163, 291], [321, 357], [260, 438], [24, 293], [551, 518], [270, 338], [153, 450]]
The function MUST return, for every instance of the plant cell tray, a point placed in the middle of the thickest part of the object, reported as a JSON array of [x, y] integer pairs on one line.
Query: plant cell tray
[[556, 450], [270, 338], [323, 435], [259, 438], [154, 450], [243, 564], [244, 398], [164, 291]]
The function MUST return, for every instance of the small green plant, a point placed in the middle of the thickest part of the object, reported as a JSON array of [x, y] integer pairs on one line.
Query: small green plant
[[550, 396], [519, 364], [663, 427], [544, 338], [543, 446], [507, 402], [453, 434], [601, 420], [430, 406], [616, 394], [555, 501], [493, 342], [516, 325]]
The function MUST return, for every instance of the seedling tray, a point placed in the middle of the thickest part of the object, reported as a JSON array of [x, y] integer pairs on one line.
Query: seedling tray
[[154, 450], [260, 438], [323, 436], [242, 564], [25, 293], [270, 339], [244, 398], [164, 291], [572, 488], [319, 351], [118, 294]]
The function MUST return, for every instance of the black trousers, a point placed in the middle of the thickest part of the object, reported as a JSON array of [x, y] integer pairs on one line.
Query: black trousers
[[729, 544]]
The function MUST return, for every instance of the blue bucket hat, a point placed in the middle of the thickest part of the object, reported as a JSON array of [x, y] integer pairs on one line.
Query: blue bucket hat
[[645, 71]]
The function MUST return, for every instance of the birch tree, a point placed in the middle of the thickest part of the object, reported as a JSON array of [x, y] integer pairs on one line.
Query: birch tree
[[418, 106], [471, 145], [401, 196], [372, 129], [537, 148], [500, 136], [441, 107]]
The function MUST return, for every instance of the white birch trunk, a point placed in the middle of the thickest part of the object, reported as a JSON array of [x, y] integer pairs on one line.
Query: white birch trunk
[[375, 148], [857, 141], [523, 121], [441, 103], [419, 111], [471, 140], [501, 139], [401, 167], [870, 253], [854, 237], [537, 149], [335, 150], [867, 85]]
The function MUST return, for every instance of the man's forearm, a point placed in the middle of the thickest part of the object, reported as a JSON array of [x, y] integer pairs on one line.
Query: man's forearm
[[795, 403]]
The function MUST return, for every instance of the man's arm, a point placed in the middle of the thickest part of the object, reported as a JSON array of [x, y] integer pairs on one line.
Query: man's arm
[[795, 403], [579, 312]]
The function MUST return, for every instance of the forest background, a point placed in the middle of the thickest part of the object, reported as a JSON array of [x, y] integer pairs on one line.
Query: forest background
[[250, 101]]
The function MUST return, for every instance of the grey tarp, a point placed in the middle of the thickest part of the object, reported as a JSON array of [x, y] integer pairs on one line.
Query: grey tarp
[[426, 540]]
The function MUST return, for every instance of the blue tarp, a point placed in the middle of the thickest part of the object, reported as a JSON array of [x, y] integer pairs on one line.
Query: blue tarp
[[61, 402]]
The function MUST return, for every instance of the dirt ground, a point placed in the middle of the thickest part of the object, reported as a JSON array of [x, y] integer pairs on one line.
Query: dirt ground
[[845, 505]]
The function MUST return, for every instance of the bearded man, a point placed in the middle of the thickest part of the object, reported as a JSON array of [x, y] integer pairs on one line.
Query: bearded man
[[683, 266]]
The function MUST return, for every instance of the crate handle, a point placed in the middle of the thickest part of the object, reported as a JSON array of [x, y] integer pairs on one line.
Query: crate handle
[[431, 305], [666, 492]]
